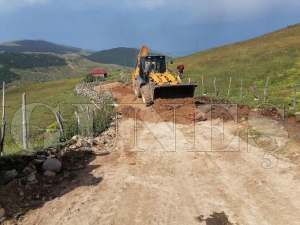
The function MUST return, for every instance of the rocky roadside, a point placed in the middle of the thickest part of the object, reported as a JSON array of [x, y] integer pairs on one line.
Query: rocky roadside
[[45, 175]]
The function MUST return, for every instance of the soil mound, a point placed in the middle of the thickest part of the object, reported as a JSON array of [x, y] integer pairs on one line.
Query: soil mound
[[123, 89], [179, 110]]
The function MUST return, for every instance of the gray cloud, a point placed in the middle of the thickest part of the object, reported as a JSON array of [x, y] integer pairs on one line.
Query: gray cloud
[[180, 27], [191, 10], [13, 5], [214, 10]]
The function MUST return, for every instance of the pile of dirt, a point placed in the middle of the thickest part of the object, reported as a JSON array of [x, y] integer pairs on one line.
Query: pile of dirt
[[123, 89], [179, 110], [162, 105], [191, 110], [228, 112], [126, 111]]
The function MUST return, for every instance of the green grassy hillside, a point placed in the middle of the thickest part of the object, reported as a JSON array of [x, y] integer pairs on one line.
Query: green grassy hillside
[[26, 61], [25, 68], [40, 98], [251, 61], [23, 61], [42, 102]]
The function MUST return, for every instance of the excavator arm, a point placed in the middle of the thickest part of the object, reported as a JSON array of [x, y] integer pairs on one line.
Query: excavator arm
[[143, 52]]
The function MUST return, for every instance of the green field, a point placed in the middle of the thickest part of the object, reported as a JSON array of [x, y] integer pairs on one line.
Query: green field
[[40, 99]]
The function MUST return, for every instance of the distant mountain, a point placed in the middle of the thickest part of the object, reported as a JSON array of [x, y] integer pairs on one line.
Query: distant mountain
[[23, 61], [18, 60], [121, 56], [40, 46]]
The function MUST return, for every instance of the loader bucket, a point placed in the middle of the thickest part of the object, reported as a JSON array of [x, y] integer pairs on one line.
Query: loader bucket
[[174, 91]]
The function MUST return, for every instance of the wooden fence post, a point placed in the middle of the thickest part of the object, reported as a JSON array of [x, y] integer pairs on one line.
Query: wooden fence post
[[295, 96], [265, 90], [3, 121], [96, 105], [241, 93], [202, 87], [88, 112], [24, 123], [58, 119], [256, 97], [215, 86], [228, 93], [78, 118]]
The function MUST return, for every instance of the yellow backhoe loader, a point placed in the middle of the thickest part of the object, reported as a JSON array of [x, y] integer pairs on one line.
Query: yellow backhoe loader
[[151, 79]]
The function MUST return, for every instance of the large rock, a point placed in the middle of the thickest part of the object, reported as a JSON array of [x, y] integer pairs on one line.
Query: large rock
[[27, 170], [52, 164], [38, 161], [31, 177], [11, 174], [49, 173], [75, 138], [60, 154], [42, 157]]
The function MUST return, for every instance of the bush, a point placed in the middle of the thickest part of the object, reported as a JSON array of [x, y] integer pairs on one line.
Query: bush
[[98, 122], [101, 121], [71, 128], [52, 127]]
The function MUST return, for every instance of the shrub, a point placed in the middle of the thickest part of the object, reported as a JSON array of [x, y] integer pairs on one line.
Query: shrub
[[102, 119], [52, 127], [71, 128], [98, 122]]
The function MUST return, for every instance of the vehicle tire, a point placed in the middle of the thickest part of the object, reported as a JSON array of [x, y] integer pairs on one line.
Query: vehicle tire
[[137, 89], [146, 96]]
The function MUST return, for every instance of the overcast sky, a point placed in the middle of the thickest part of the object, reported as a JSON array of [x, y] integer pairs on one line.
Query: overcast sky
[[172, 26]]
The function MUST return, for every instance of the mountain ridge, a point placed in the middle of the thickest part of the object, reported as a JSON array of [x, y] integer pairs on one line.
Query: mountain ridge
[[123, 56]]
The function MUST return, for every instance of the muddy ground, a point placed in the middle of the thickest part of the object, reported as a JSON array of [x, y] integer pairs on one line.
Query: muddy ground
[[180, 161]]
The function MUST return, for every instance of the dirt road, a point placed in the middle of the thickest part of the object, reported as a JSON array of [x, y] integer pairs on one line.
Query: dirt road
[[159, 173]]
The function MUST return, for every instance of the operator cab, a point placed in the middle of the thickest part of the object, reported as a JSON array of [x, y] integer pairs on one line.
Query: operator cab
[[152, 63]]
